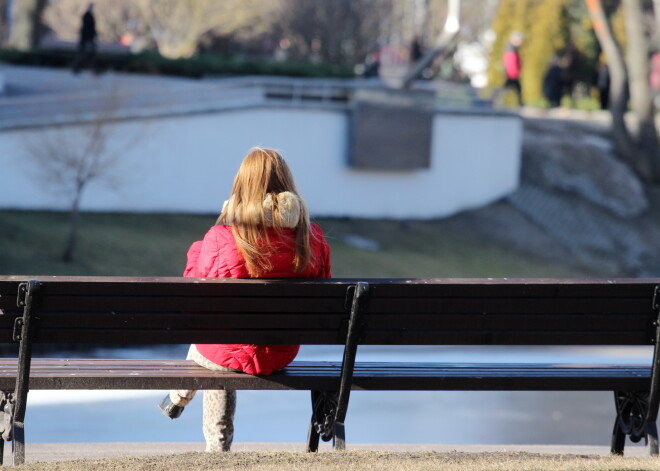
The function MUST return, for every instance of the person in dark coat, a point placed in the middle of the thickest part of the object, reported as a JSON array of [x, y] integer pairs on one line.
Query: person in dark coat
[[568, 62], [416, 50], [552, 83], [603, 85], [87, 43]]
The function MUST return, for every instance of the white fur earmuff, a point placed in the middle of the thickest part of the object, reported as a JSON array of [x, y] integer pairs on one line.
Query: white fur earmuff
[[287, 206]]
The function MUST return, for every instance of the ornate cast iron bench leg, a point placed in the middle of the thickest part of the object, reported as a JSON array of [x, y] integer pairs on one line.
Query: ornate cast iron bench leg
[[313, 434], [618, 439], [329, 408], [631, 411], [312, 439], [324, 405], [632, 420]]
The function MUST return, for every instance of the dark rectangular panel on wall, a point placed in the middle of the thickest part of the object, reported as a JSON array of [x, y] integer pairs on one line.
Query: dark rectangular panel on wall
[[391, 129]]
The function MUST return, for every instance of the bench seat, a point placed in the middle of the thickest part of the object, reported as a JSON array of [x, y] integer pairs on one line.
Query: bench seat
[[65, 373]]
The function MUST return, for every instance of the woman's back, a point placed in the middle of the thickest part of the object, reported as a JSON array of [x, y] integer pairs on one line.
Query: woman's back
[[218, 256]]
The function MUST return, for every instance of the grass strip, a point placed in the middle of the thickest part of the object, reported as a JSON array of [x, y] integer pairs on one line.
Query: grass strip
[[358, 461], [31, 243]]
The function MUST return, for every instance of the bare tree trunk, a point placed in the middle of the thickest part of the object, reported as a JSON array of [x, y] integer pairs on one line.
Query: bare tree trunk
[[74, 219], [656, 15], [623, 142], [26, 23], [640, 90]]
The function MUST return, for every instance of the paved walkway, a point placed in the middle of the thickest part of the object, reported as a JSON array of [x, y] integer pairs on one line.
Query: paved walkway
[[41, 96], [72, 451]]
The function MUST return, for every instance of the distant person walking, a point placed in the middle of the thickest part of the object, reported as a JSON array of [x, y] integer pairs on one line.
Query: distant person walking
[[262, 232], [568, 63], [603, 84], [654, 77], [552, 84], [416, 50], [370, 67], [513, 65], [87, 42]]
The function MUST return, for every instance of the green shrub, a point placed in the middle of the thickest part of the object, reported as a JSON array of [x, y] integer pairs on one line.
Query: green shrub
[[153, 63]]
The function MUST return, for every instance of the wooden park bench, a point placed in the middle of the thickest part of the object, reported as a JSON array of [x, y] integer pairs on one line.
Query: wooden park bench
[[139, 311]]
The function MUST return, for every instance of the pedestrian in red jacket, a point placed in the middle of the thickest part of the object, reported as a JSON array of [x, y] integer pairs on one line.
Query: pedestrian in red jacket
[[273, 240], [513, 65]]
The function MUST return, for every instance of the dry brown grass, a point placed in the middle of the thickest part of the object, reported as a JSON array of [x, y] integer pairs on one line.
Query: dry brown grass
[[358, 461]]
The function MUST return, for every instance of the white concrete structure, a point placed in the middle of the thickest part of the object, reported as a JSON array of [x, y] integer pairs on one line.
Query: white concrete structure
[[179, 143], [186, 163]]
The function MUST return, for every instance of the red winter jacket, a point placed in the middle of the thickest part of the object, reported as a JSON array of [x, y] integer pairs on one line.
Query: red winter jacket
[[217, 256], [512, 63]]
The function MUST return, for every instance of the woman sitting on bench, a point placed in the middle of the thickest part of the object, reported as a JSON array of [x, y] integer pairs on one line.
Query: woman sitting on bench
[[262, 232]]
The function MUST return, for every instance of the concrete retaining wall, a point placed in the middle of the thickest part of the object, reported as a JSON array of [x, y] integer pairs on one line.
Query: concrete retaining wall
[[186, 163]]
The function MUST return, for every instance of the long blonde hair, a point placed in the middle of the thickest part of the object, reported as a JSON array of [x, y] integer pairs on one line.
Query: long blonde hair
[[253, 207]]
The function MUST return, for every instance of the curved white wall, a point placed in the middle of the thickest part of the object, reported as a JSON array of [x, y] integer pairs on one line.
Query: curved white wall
[[187, 163]]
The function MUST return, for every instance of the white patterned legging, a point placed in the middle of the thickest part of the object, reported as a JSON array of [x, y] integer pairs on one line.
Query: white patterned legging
[[219, 407]]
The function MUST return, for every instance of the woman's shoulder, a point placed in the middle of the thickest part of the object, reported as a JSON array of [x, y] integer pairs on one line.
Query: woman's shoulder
[[219, 236], [220, 232]]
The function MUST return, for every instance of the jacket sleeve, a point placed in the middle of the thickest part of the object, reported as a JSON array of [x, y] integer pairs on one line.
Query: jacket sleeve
[[192, 258], [202, 257]]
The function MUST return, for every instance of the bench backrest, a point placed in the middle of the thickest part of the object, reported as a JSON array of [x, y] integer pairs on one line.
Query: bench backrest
[[115, 310], [512, 312], [112, 310]]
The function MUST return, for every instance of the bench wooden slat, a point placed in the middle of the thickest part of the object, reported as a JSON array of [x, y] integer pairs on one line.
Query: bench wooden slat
[[513, 305], [64, 366], [381, 329], [7, 302], [217, 304], [329, 337], [532, 306], [174, 320], [201, 287], [166, 374], [474, 287], [505, 337], [507, 288], [167, 336], [373, 322], [504, 321]]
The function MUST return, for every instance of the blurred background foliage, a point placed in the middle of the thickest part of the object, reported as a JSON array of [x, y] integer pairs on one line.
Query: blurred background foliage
[[550, 28], [318, 38]]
